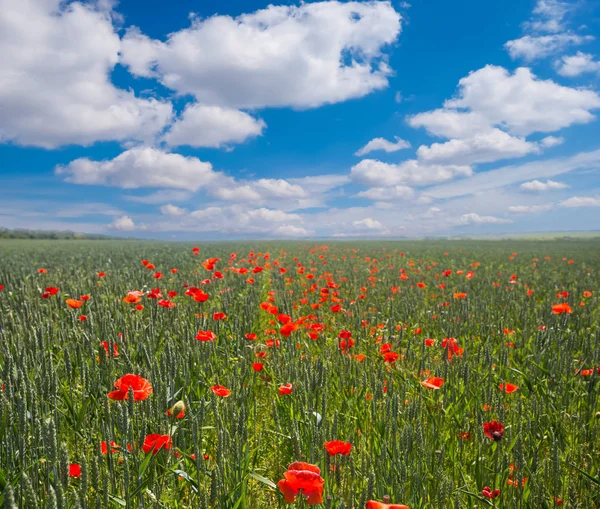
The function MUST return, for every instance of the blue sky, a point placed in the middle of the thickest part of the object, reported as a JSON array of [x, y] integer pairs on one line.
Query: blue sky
[[217, 120]]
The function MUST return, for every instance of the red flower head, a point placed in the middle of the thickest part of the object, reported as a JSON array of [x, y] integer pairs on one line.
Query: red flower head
[[74, 470], [155, 443], [288, 328], [303, 477], [258, 366], [433, 383], [338, 447], [74, 303], [494, 430], [206, 335], [508, 388], [219, 390], [219, 315], [141, 388], [285, 389], [487, 492], [373, 504], [104, 344], [559, 309]]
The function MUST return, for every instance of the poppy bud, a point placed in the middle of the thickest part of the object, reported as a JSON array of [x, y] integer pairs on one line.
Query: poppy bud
[[178, 409], [597, 415]]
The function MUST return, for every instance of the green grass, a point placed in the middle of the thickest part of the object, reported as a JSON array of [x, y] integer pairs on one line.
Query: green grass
[[406, 440]]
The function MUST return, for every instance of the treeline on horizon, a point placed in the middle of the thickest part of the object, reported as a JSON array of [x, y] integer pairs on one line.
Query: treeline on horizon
[[20, 233]]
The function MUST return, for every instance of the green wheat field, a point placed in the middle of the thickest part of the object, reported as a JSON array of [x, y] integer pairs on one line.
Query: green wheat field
[[450, 374]]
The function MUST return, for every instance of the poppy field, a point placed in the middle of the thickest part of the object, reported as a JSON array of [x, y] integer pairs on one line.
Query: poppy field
[[450, 374]]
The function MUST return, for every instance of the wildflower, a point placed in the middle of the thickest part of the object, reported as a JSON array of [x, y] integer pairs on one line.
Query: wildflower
[[288, 328], [220, 390], [559, 309], [373, 504], [433, 382], [74, 470], [487, 492], [335, 447], [140, 386], [508, 388], [494, 430], [155, 442], [104, 447], [165, 303], [219, 316], [206, 335], [74, 303], [177, 410], [258, 366], [302, 477], [285, 389], [104, 344]]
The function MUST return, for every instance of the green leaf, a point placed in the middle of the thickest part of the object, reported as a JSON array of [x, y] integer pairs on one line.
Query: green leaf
[[263, 480]]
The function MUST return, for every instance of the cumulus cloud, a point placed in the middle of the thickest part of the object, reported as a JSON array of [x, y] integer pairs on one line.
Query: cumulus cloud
[[530, 209], [535, 47], [123, 224], [523, 103], [537, 186], [300, 56], [552, 141], [212, 126], [289, 230], [448, 123], [574, 65], [480, 148], [388, 193], [473, 218], [581, 201], [172, 210], [376, 173], [141, 167], [383, 144], [55, 86], [367, 224], [161, 196]]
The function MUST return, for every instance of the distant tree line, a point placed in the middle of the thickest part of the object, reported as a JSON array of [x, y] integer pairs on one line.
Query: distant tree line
[[21, 233]]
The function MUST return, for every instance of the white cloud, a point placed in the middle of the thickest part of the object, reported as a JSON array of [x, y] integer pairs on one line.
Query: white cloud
[[257, 191], [161, 196], [55, 88], [289, 230], [388, 193], [368, 224], [87, 209], [320, 183], [507, 175], [548, 15], [581, 201], [529, 209], [535, 47], [376, 173], [538, 186], [123, 224], [212, 126], [172, 210], [301, 56], [551, 141], [574, 65], [141, 167], [450, 123], [383, 144], [264, 215], [486, 147], [473, 218], [522, 103]]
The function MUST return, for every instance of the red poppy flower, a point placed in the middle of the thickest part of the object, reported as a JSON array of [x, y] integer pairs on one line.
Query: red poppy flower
[[131, 299], [74, 303], [587, 294], [460, 295], [43, 271], [155, 442], [220, 390], [344, 334], [104, 447], [288, 328], [101, 274], [219, 315], [302, 477], [338, 447], [206, 335], [559, 309], [373, 504], [285, 389], [82, 318], [178, 410], [494, 430], [165, 303], [141, 388], [391, 357], [250, 336], [489, 493], [433, 382], [258, 366], [74, 470], [429, 342], [508, 388]]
